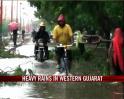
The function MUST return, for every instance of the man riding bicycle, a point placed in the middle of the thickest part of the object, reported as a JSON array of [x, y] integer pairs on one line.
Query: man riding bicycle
[[62, 34]]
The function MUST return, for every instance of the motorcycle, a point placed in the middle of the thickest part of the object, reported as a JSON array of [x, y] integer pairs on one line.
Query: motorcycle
[[41, 53]]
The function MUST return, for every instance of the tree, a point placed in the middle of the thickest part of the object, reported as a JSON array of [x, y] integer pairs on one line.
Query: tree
[[101, 15]]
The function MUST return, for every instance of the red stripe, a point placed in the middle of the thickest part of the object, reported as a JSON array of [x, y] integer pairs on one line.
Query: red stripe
[[49, 78], [113, 78]]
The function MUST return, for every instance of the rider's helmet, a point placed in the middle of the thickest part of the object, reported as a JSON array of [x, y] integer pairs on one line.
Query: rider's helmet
[[42, 24], [61, 18]]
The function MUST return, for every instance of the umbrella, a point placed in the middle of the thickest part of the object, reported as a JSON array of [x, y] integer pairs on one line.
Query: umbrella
[[13, 26]]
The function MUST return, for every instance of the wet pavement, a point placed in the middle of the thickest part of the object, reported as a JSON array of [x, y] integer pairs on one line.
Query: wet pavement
[[39, 90]]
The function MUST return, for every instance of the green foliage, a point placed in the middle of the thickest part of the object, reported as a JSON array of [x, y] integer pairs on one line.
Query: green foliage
[[5, 27], [4, 74], [5, 42], [19, 71], [87, 55], [90, 63], [51, 55], [7, 54], [75, 53], [99, 15]]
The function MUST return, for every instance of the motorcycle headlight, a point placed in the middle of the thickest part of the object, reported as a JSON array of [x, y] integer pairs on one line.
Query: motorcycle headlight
[[41, 44]]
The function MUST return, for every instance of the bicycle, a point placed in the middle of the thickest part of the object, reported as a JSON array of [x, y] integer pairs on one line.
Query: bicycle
[[64, 61]]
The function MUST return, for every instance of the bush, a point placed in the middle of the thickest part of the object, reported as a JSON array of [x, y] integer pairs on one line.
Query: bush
[[19, 71], [87, 55], [5, 42], [52, 55], [7, 54]]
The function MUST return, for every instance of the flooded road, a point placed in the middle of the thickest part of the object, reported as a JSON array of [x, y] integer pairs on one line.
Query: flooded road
[[40, 90]]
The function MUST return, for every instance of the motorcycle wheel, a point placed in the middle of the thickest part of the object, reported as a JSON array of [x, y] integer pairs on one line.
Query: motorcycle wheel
[[41, 56]]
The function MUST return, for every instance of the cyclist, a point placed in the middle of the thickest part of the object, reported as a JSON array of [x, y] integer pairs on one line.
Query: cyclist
[[62, 34], [42, 34]]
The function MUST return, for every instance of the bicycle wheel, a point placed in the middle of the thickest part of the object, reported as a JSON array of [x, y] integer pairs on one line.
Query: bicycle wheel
[[66, 64], [62, 65]]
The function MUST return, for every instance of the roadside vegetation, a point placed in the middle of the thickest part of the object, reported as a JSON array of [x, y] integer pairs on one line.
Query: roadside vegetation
[[8, 54], [92, 62], [15, 72]]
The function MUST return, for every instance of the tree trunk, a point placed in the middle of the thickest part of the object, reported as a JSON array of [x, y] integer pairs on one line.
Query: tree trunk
[[1, 43], [105, 24]]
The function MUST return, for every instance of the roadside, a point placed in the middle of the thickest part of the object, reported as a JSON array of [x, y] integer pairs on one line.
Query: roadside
[[94, 64]]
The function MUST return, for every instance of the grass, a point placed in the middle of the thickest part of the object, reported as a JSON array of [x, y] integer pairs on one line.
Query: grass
[[92, 62], [19, 72], [7, 54], [16, 72]]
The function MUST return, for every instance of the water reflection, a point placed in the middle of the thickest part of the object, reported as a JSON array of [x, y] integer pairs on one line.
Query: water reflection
[[15, 91], [63, 90], [74, 90]]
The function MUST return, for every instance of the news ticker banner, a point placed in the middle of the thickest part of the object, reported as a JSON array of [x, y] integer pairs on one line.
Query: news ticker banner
[[49, 78]]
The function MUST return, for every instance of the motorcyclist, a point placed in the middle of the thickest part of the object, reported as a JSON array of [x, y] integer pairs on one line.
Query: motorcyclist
[[33, 34], [62, 34], [42, 34]]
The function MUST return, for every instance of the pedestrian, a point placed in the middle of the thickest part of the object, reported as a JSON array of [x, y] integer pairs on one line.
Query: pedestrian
[[80, 42], [15, 37], [116, 52], [23, 34], [62, 34], [33, 34]]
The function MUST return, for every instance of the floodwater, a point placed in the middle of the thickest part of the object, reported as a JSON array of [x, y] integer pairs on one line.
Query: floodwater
[[40, 90]]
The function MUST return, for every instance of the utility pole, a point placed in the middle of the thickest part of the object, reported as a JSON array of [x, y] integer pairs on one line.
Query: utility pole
[[20, 16], [17, 12], [1, 21], [11, 10], [23, 18], [5, 12]]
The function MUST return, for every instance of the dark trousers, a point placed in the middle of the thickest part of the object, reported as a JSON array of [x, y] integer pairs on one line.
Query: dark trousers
[[23, 36], [116, 69], [60, 53], [81, 48], [14, 38]]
